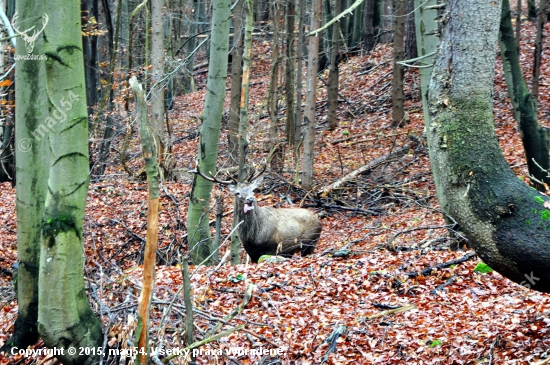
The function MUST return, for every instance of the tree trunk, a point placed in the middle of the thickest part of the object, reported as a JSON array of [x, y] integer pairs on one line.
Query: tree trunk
[[157, 84], [311, 96], [236, 77], [427, 42], [290, 71], [538, 51], [369, 39], [532, 9], [504, 220], [398, 95], [273, 96], [333, 72], [199, 236], [299, 78], [31, 163], [411, 50], [534, 138], [387, 21], [64, 318]]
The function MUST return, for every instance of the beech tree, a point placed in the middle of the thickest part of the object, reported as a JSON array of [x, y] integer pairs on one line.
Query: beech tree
[[199, 236], [506, 221]]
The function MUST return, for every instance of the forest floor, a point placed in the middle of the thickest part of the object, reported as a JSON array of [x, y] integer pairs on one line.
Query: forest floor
[[379, 231]]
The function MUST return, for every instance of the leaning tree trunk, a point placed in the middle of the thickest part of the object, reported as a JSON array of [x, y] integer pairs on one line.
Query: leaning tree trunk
[[199, 202], [505, 221], [534, 138], [31, 164], [64, 318]]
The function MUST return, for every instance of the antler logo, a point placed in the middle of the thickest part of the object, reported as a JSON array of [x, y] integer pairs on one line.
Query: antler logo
[[29, 39]]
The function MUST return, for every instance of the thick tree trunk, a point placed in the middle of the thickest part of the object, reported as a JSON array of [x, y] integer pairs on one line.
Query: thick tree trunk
[[369, 39], [505, 221], [398, 95], [199, 237], [65, 319], [32, 166], [534, 138], [311, 96], [387, 21]]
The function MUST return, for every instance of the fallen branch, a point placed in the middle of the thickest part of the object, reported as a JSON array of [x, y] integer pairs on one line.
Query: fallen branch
[[390, 157], [337, 332], [391, 311], [428, 271]]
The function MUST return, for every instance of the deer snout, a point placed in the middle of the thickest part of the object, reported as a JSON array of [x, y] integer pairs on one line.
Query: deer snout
[[250, 200]]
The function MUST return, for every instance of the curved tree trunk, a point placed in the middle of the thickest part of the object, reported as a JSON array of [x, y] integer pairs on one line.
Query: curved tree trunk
[[505, 221]]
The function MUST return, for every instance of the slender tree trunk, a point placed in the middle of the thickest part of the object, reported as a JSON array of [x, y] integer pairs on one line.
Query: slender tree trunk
[[299, 78], [290, 71], [387, 21], [236, 77], [32, 166], [532, 9], [518, 25], [411, 51], [398, 95], [199, 239], [333, 72], [356, 26], [64, 318], [427, 42], [534, 138], [273, 95], [538, 51], [311, 96], [504, 220], [157, 85]]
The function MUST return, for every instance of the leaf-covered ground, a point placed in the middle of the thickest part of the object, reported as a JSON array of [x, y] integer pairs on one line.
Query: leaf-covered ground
[[377, 229]]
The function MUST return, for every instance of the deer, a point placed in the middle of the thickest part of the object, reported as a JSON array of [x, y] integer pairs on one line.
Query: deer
[[269, 230]]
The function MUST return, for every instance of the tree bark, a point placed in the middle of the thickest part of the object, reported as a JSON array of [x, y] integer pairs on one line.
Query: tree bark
[[504, 220], [31, 164], [199, 236], [369, 39], [398, 95], [538, 51], [534, 138], [157, 84], [290, 71], [427, 42], [332, 94], [311, 96], [236, 77], [64, 317]]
